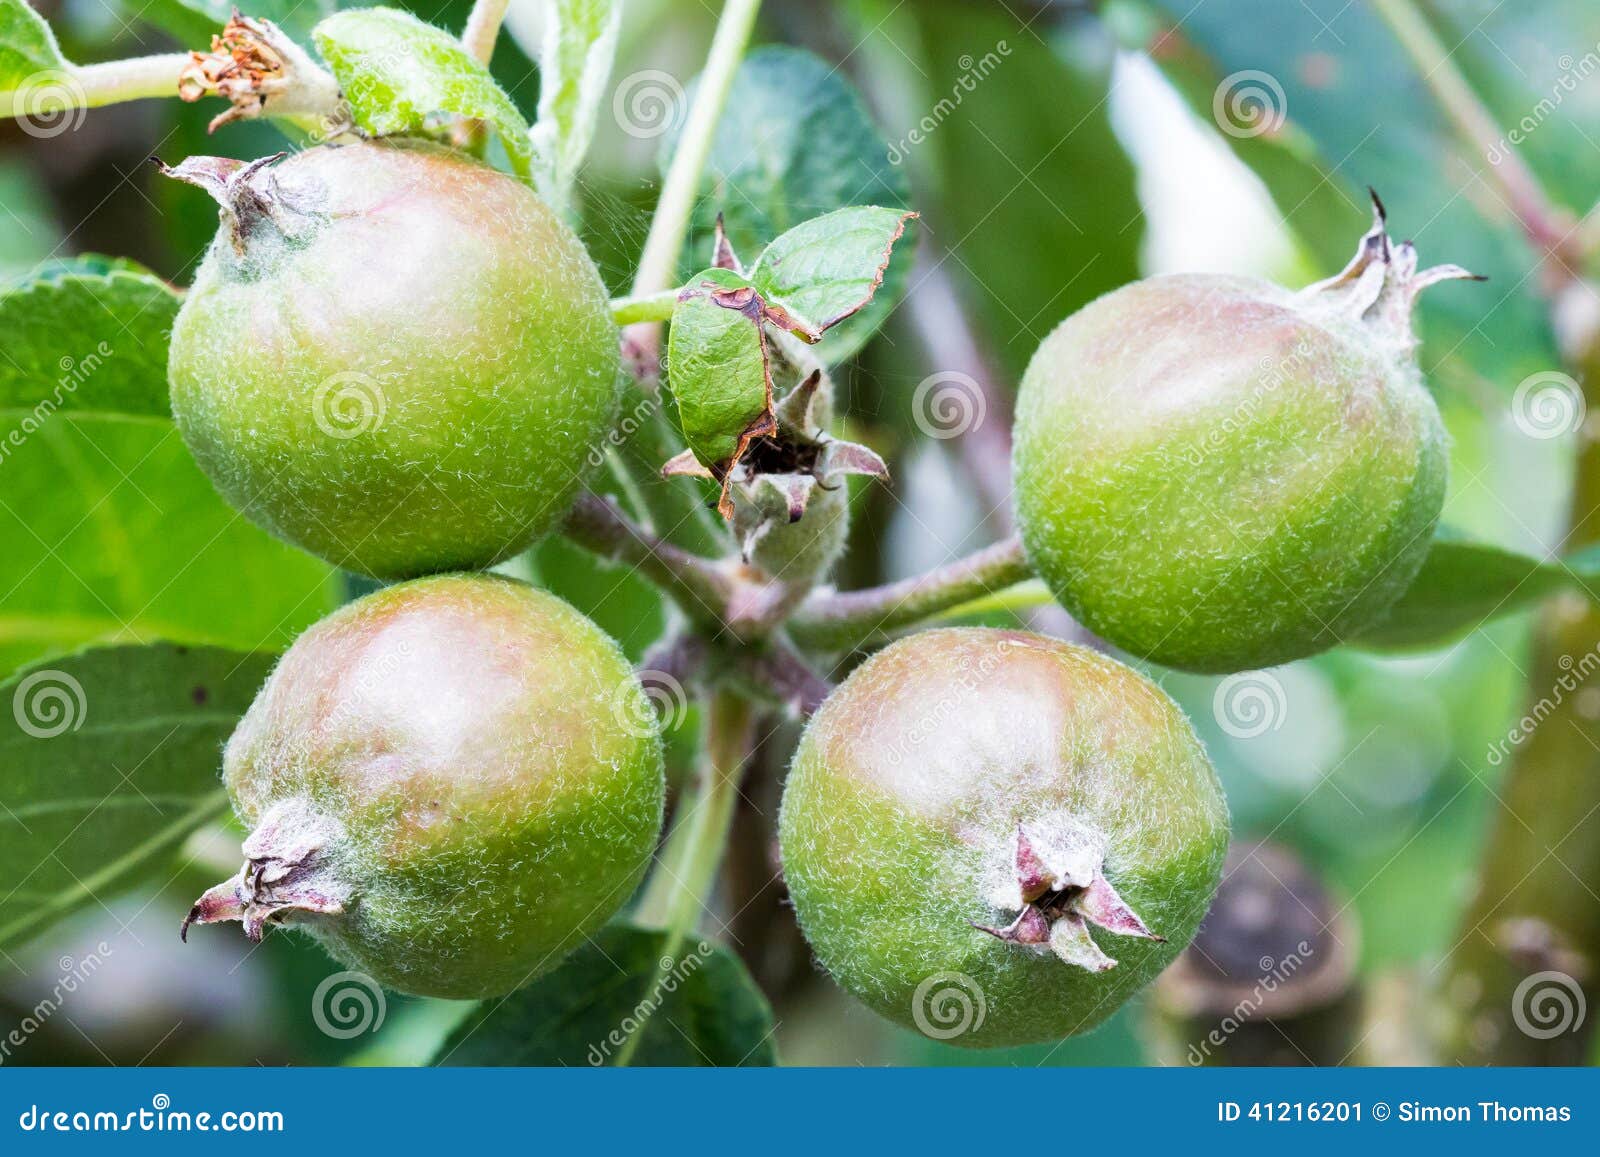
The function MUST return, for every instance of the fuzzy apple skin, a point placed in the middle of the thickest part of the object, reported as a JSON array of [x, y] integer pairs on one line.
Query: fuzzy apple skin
[[462, 731], [411, 384], [1215, 477], [906, 791]]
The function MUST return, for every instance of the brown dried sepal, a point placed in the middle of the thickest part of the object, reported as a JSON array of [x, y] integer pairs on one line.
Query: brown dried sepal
[[1058, 907]]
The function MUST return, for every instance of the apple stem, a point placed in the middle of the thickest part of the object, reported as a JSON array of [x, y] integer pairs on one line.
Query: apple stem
[[483, 28], [831, 620]]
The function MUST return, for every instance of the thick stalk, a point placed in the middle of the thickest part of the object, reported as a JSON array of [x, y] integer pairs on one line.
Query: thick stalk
[[94, 85], [483, 27], [1546, 225], [831, 621], [136, 79], [680, 515], [680, 886], [658, 264], [677, 892], [1536, 908]]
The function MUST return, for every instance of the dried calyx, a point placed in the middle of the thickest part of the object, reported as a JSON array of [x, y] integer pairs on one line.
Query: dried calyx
[[780, 474], [261, 71], [289, 870], [1381, 283], [1060, 889], [246, 192]]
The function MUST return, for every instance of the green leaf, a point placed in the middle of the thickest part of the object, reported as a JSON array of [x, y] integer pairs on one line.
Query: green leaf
[[398, 73], [84, 335], [703, 1010], [27, 48], [1038, 209], [828, 268], [1318, 66], [1464, 584], [718, 367], [580, 42], [112, 534], [795, 142], [110, 759]]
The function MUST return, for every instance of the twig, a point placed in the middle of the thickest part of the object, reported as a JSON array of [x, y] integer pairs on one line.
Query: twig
[[95, 85], [830, 620], [483, 27], [1546, 225], [658, 263], [644, 307], [697, 585]]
